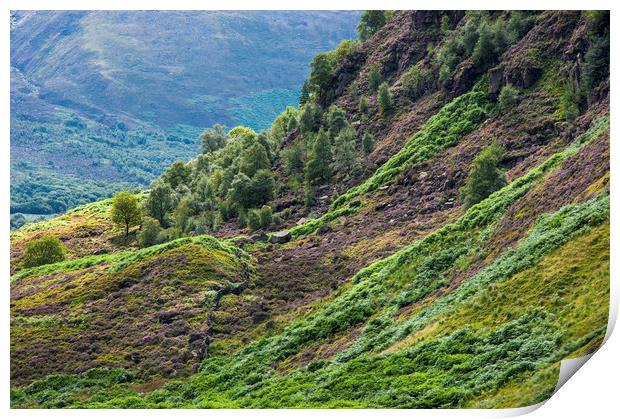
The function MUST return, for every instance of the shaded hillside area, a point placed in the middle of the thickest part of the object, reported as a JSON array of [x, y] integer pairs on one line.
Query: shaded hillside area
[[428, 229], [102, 100]]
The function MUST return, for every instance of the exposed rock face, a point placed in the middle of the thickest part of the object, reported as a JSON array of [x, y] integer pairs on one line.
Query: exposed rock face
[[280, 237], [522, 64]]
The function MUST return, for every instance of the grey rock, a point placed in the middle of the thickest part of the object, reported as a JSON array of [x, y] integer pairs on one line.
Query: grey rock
[[280, 237]]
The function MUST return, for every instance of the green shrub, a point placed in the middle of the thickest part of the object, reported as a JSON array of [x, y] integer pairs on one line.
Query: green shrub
[[368, 142], [149, 232], [265, 216], [569, 103], [363, 105], [384, 97], [253, 219], [374, 78], [508, 97], [43, 251], [485, 176], [418, 81]]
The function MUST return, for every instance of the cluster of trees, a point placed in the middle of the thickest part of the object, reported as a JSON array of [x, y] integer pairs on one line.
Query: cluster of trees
[[327, 145], [17, 220], [576, 94], [231, 178], [322, 71], [482, 38]]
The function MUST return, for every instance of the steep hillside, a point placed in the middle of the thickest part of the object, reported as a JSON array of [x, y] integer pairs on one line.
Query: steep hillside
[[89, 89], [284, 275]]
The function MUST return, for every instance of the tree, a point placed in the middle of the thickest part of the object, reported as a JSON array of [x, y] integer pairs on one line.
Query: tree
[[321, 71], [485, 49], [17, 220], [320, 158], [374, 78], [485, 176], [308, 195], [47, 249], [149, 232], [280, 127], [370, 22], [253, 159], [304, 96], [385, 99], [345, 156], [181, 214], [294, 157], [159, 202], [241, 132], [310, 118], [126, 210], [595, 66], [177, 174], [445, 24], [240, 192], [368, 142], [508, 97], [569, 103], [336, 120], [261, 187], [418, 80], [292, 124], [213, 139]]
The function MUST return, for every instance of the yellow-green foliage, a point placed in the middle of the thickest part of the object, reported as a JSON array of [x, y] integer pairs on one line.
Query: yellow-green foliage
[[423, 337], [123, 300]]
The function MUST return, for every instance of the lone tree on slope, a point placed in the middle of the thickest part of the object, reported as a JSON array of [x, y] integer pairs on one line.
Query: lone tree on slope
[[126, 210]]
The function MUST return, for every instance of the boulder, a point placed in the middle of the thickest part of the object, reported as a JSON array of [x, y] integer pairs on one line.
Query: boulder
[[280, 237]]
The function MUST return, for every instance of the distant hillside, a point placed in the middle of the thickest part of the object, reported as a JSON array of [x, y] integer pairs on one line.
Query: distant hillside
[[102, 99]]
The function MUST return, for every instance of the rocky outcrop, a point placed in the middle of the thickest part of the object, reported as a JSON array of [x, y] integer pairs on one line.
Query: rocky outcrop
[[280, 237]]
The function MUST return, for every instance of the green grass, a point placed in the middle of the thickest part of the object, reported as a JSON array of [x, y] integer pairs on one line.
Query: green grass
[[119, 260], [442, 130], [458, 362]]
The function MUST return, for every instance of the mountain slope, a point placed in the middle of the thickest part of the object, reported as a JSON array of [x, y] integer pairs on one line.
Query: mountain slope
[[391, 293]]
